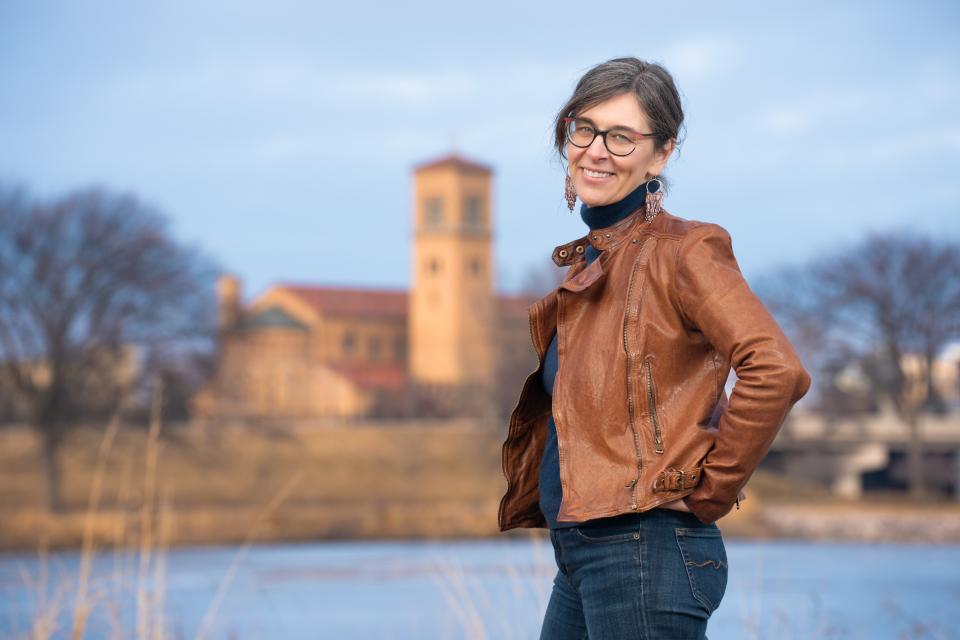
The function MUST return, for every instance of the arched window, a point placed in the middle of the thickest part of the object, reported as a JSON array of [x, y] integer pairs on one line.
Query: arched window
[[473, 212], [349, 342], [433, 212]]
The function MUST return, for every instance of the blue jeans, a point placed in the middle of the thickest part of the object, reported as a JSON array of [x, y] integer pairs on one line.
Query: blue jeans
[[656, 575]]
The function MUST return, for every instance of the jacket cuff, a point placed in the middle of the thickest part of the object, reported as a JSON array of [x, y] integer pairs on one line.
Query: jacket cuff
[[708, 510]]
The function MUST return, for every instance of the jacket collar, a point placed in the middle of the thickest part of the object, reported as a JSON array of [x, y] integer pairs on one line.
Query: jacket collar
[[601, 239]]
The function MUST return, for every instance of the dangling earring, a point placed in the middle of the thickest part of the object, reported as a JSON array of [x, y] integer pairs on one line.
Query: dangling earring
[[654, 199], [570, 193]]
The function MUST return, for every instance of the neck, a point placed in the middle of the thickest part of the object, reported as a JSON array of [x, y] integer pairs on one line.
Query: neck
[[609, 214]]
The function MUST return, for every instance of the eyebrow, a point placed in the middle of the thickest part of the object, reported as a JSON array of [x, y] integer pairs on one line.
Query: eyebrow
[[616, 126]]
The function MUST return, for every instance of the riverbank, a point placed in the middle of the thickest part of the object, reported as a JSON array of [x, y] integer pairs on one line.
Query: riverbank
[[363, 481], [29, 529], [870, 522]]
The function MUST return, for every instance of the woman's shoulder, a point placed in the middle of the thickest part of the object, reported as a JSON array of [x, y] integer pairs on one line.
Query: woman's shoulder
[[669, 225]]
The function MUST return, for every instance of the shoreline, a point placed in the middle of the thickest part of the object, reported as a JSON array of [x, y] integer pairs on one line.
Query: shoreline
[[815, 521]]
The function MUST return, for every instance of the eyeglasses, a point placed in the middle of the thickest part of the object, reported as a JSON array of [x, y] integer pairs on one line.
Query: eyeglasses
[[619, 141]]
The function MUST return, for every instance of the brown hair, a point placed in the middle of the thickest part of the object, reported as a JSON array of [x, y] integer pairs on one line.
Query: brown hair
[[649, 82]]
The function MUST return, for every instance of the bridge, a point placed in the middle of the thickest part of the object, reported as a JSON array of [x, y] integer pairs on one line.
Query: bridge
[[853, 455]]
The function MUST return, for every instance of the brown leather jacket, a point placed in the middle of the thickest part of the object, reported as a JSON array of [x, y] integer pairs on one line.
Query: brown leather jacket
[[647, 334]]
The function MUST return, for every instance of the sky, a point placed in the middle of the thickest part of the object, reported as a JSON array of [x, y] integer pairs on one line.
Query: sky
[[280, 136]]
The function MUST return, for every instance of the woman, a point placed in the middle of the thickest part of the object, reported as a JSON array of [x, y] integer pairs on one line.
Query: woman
[[623, 442]]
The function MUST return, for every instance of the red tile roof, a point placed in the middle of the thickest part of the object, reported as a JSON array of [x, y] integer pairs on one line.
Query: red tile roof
[[379, 303], [391, 377], [348, 301], [455, 160]]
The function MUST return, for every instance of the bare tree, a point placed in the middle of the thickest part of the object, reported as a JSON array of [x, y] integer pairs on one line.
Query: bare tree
[[88, 283], [892, 295], [542, 277], [516, 358]]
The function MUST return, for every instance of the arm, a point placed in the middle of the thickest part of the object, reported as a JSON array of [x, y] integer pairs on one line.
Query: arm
[[715, 299]]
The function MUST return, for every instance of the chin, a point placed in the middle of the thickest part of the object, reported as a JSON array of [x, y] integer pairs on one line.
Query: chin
[[595, 198], [597, 202]]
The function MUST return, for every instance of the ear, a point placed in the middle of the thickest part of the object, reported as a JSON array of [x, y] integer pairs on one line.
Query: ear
[[662, 156]]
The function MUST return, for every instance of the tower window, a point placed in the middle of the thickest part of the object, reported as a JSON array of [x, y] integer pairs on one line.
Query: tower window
[[349, 342], [373, 347], [473, 212], [433, 211], [433, 266], [475, 266]]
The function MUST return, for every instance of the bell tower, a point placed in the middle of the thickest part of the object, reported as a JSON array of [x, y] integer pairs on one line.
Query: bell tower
[[452, 302]]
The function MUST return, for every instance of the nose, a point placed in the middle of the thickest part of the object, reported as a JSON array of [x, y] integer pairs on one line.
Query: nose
[[597, 150]]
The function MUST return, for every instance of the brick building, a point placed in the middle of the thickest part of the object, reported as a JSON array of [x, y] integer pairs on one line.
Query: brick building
[[451, 344]]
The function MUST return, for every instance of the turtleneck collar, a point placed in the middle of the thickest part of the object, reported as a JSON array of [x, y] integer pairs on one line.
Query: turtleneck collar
[[610, 214]]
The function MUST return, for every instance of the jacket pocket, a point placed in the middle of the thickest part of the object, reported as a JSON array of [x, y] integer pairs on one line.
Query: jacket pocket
[[656, 416], [705, 559]]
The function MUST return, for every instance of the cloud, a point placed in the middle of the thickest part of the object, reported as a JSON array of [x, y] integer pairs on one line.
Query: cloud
[[786, 120], [872, 112], [939, 139], [827, 105], [282, 80], [700, 57], [409, 88]]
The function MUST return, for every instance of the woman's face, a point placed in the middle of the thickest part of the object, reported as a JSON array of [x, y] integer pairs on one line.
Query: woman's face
[[602, 178]]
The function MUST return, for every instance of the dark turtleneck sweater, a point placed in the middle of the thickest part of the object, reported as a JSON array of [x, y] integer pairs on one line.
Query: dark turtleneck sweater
[[550, 489]]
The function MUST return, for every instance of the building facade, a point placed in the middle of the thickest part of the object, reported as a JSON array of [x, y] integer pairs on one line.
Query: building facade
[[449, 345]]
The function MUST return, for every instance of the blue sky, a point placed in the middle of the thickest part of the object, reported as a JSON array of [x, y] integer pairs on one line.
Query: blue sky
[[280, 136]]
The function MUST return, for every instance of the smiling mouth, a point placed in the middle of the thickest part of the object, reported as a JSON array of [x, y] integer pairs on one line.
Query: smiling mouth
[[596, 174]]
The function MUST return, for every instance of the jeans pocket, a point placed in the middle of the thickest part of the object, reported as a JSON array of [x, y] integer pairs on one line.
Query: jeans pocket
[[604, 534], [705, 559]]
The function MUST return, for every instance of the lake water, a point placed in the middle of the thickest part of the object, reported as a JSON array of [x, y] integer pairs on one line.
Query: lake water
[[475, 589]]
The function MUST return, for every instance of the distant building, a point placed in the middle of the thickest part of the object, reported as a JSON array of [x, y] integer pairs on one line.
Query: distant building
[[91, 390], [306, 351]]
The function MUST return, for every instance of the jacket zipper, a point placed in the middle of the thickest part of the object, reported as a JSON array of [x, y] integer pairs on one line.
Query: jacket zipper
[[652, 402], [556, 425], [632, 485], [570, 275]]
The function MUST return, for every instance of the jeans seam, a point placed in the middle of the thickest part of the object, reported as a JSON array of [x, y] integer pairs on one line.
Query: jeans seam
[[562, 564], [643, 590]]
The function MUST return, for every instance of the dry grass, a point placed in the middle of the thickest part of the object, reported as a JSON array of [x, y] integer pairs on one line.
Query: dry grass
[[356, 482], [131, 494], [150, 541]]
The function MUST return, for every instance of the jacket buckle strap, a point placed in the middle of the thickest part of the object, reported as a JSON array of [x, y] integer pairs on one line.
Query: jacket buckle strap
[[676, 480]]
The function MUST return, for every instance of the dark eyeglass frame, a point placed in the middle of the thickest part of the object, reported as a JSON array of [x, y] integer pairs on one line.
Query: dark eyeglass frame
[[599, 132]]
